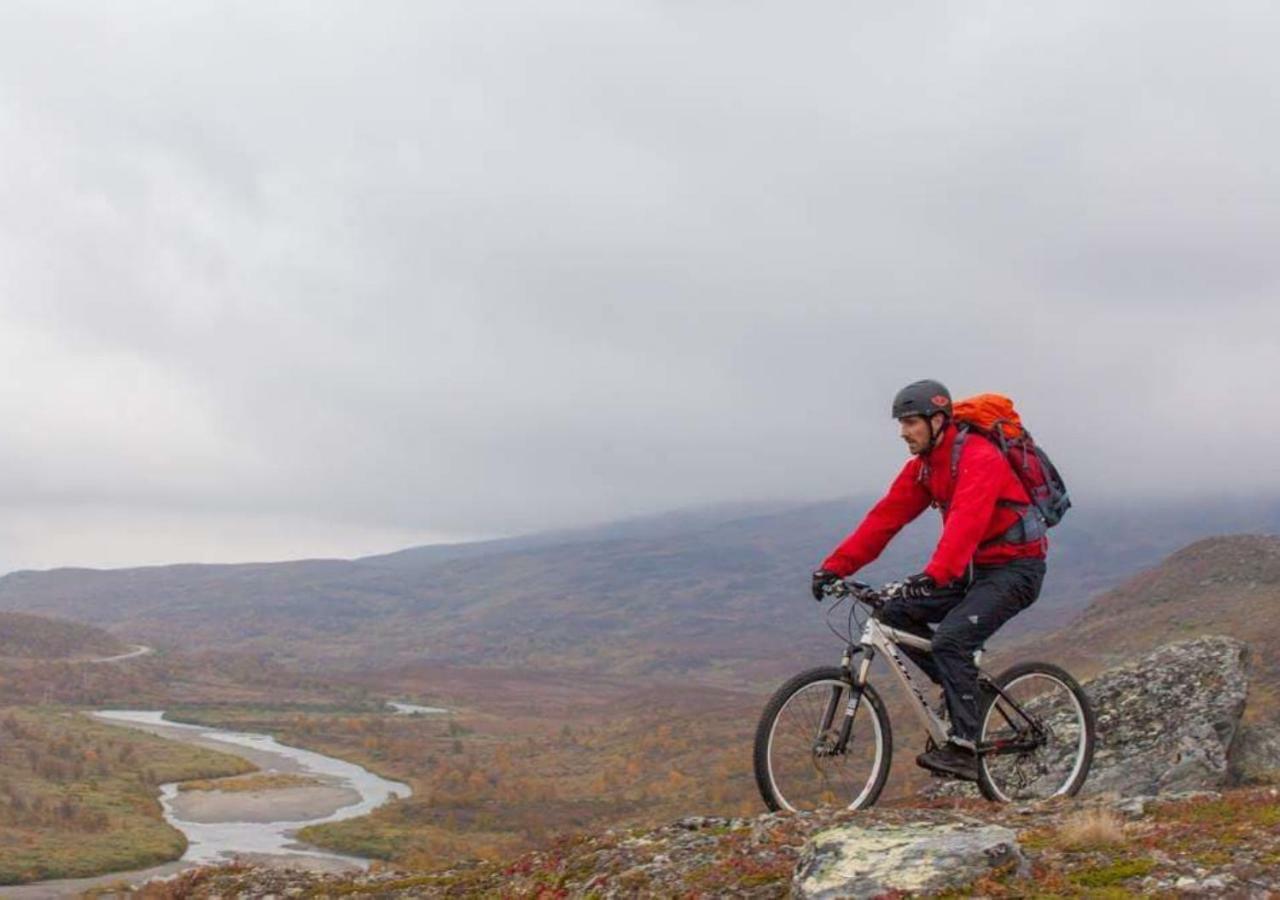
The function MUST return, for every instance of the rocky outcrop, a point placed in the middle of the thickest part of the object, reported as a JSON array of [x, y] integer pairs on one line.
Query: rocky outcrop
[[1167, 721], [858, 861]]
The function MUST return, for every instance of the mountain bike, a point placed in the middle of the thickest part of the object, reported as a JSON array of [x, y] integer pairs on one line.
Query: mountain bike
[[824, 738]]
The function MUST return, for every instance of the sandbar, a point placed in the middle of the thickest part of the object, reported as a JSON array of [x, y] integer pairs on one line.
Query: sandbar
[[291, 804]]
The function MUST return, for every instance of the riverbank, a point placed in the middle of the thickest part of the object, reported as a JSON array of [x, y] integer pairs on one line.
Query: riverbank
[[224, 824], [80, 796], [256, 826]]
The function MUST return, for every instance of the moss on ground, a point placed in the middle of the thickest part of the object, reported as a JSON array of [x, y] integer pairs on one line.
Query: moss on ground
[[1112, 874]]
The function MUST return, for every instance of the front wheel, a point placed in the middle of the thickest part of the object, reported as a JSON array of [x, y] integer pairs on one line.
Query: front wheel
[[1037, 735], [822, 743]]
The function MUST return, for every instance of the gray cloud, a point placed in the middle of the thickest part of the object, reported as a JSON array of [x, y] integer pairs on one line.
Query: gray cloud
[[323, 278]]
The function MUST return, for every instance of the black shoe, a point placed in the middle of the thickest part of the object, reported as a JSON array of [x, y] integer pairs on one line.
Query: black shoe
[[949, 759]]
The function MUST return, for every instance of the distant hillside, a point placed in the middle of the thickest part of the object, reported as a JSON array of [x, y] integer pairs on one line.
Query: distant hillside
[[1222, 585], [37, 637], [706, 591]]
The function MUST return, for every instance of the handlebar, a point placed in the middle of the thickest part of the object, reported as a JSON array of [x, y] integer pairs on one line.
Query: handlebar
[[873, 598], [865, 593]]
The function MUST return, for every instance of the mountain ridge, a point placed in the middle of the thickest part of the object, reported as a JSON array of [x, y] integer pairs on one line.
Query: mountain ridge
[[691, 592]]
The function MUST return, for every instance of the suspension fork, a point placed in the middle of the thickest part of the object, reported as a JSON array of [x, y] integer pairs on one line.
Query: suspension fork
[[833, 701], [855, 694]]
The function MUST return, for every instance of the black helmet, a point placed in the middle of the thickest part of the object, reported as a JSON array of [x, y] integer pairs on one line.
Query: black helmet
[[922, 398]]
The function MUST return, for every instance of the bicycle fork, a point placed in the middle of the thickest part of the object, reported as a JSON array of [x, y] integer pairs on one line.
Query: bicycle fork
[[850, 707]]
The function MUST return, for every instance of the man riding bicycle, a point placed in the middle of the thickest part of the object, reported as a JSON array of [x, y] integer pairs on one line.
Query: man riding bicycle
[[988, 565]]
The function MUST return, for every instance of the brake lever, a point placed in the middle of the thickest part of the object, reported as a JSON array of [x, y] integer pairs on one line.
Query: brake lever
[[837, 589], [875, 598]]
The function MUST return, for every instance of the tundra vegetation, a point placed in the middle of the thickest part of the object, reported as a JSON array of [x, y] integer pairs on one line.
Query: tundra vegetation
[[494, 777], [79, 798]]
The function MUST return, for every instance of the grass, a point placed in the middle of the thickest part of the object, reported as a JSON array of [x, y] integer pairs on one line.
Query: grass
[[79, 798], [360, 837], [1260, 809], [1090, 829], [1113, 874], [410, 844]]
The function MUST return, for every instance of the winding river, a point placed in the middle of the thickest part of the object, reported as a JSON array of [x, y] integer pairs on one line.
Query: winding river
[[261, 825], [344, 791]]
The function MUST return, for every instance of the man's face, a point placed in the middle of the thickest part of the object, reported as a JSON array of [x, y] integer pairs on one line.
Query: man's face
[[916, 431]]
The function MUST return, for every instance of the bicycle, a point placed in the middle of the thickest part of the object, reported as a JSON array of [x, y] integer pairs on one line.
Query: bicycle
[[1036, 738]]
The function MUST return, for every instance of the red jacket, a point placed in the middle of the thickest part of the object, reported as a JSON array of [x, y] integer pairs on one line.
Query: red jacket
[[970, 514]]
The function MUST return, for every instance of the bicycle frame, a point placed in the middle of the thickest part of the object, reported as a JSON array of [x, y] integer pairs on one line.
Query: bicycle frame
[[877, 637], [885, 639]]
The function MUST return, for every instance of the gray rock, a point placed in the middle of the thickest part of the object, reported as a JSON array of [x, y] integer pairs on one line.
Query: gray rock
[[1133, 807], [1255, 755], [1167, 720], [867, 861]]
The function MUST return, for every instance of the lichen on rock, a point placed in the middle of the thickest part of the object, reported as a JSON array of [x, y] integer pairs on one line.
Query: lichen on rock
[[1166, 722], [868, 861]]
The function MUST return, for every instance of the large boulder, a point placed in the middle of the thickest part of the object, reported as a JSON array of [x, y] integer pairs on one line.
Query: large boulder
[[872, 860], [1166, 722]]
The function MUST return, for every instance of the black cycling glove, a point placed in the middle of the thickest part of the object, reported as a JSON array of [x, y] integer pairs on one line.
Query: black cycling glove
[[821, 579], [917, 587]]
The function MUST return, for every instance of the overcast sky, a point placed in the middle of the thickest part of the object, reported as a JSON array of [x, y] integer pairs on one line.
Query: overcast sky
[[299, 279]]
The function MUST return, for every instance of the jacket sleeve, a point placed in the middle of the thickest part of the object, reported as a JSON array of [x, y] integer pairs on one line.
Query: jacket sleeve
[[906, 499], [979, 479]]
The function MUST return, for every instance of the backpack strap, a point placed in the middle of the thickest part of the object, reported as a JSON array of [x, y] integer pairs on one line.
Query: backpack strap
[[962, 432], [1031, 525]]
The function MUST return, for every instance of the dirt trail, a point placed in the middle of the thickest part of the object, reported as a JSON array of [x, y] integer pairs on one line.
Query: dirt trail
[[138, 650]]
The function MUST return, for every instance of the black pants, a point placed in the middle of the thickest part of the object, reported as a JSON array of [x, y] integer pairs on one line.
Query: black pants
[[967, 614]]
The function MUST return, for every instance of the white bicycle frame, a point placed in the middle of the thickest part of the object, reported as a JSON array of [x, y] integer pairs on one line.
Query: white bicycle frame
[[877, 636]]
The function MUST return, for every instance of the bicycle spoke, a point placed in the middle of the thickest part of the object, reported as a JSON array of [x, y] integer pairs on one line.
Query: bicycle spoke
[[1038, 712], [805, 768]]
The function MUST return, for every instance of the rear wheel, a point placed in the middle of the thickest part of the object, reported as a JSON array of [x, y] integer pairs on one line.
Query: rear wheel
[[810, 755], [1037, 735]]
